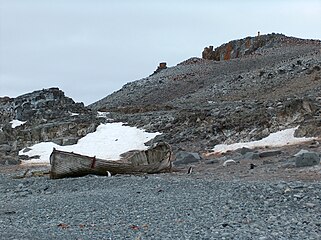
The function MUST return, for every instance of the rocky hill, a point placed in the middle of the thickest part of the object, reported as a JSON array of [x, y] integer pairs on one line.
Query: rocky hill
[[241, 91], [45, 115]]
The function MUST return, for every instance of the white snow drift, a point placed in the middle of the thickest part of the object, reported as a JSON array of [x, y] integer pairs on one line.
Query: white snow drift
[[107, 142], [277, 139], [16, 123]]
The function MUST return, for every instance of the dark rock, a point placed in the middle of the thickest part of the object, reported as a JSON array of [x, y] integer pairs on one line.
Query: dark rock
[[313, 69], [186, 158], [212, 161], [9, 160], [161, 67], [261, 73], [5, 148], [69, 141], [26, 150], [24, 157], [251, 155], [244, 150], [307, 159], [270, 153], [314, 144]]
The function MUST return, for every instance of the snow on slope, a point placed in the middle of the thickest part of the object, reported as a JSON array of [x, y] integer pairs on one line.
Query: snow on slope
[[277, 139], [16, 123], [107, 142]]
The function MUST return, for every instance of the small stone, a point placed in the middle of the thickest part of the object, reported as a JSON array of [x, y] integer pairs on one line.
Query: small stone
[[310, 205], [263, 238], [212, 161], [287, 190]]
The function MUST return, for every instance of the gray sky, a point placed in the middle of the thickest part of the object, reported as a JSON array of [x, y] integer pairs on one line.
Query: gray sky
[[90, 48]]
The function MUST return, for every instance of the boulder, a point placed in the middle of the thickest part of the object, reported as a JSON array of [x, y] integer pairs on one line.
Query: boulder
[[307, 159], [244, 150], [183, 157]]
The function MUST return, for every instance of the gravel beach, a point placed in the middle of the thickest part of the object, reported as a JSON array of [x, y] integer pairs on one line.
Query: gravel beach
[[163, 206]]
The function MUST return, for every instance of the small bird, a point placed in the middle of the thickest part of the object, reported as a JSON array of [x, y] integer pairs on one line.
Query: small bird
[[108, 174], [252, 166], [189, 171]]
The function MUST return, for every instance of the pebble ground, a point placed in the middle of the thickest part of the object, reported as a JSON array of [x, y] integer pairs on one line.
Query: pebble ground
[[164, 206]]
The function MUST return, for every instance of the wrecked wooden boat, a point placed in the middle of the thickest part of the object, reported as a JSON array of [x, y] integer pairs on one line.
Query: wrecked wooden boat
[[155, 159]]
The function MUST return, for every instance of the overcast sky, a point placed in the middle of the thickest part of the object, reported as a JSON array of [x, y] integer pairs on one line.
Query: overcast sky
[[90, 48]]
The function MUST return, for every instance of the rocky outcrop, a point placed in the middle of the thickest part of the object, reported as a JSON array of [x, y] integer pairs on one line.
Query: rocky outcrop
[[162, 66], [45, 115], [247, 46]]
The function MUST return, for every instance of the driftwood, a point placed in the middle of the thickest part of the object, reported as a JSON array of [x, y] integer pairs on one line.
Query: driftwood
[[156, 159]]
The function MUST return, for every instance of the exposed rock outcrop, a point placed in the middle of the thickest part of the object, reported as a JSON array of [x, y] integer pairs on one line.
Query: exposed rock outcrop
[[45, 115], [247, 46], [162, 66]]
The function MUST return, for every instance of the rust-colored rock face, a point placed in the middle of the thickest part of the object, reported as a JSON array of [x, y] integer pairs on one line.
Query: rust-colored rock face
[[244, 47], [248, 42], [162, 65], [209, 54], [229, 48]]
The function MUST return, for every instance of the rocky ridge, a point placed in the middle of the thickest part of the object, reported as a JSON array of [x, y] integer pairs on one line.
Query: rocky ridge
[[47, 115], [248, 46]]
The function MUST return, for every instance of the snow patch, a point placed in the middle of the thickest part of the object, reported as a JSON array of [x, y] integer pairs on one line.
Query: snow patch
[[16, 123], [108, 142], [277, 139], [103, 115]]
